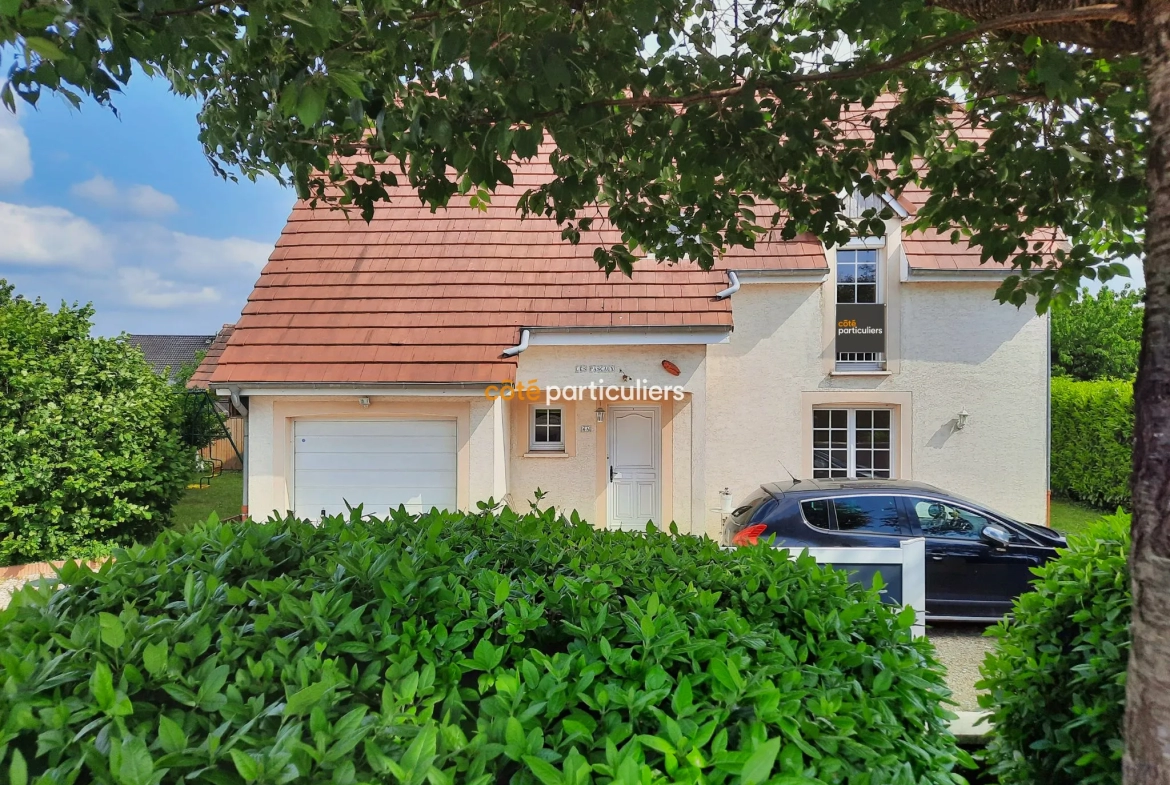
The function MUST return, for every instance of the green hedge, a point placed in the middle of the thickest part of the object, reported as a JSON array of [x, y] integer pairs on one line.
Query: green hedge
[[464, 649], [1056, 678], [90, 454], [1092, 441]]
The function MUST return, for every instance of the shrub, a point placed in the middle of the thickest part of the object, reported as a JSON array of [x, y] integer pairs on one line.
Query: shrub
[[1056, 678], [1092, 441], [89, 447], [1098, 336], [452, 648]]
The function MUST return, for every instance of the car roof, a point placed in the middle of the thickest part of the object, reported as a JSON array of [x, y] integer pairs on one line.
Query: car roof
[[793, 487]]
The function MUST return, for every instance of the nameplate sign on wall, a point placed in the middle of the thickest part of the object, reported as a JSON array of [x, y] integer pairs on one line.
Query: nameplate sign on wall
[[861, 327]]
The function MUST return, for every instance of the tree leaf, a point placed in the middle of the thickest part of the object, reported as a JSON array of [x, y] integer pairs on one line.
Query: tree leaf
[[170, 735], [113, 634], [246, 765], [44, 47], [311, 104], [759, 765], [101, 684], [17, 769], [544, 771], [303, 700]]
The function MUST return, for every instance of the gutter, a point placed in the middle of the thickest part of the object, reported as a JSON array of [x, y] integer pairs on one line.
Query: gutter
[[243, 410], [512, 351], [733, 279]]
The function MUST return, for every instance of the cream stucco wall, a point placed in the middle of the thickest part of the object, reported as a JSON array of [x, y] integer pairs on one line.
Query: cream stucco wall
[[959, 349], [577, 479], [480, 425], [745, 419]]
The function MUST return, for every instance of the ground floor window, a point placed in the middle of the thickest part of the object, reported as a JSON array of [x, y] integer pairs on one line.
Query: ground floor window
[[546, 428], [852, 443]]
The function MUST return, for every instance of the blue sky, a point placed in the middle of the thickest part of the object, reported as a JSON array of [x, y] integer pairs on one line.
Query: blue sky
[[126, 213]]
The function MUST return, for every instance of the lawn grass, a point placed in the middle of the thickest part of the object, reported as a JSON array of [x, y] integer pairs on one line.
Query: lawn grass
[[223, 498], [1072, 517]]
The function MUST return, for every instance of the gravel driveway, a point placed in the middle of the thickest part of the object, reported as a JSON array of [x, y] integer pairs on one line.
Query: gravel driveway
[[961, 648]]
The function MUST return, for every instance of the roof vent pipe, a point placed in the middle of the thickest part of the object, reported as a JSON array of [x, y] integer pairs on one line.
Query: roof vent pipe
[[733, 279], [512, 351]]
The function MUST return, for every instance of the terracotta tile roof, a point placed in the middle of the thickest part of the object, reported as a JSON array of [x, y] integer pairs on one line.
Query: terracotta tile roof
[[930, 250], [416, 296], [202, 374], [421, 297]]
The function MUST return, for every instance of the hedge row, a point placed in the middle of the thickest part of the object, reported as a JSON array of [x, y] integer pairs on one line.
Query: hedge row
[[1092, 441], [1056, 679], [449, 648]]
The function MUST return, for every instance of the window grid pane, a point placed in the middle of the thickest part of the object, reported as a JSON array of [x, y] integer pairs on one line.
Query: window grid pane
[[872, 442], [546, 428], [830, 443], [852, 443]]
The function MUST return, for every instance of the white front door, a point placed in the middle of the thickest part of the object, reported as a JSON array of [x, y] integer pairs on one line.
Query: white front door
[[635, 467]]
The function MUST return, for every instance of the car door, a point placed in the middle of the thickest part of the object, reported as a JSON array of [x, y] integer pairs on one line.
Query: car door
[[966, 575]]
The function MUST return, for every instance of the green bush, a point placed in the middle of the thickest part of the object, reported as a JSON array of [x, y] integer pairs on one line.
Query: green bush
[[1098, 336], [1092, 441], [90, 454], [450, 648], [1056, 678]]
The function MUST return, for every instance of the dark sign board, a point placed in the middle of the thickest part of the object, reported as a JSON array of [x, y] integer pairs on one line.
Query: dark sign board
[[861, 328]]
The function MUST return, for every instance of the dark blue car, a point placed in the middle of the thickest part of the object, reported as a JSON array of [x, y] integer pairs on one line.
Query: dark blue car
[[977, 560]]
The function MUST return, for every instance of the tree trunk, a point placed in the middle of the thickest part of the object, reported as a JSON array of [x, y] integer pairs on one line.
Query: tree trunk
[[1147, 714]]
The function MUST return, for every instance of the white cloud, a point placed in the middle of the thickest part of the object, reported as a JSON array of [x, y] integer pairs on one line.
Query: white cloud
[[140, 200], [145, 288], [51, 237], [15, 154], [96, 189], [138, 265]]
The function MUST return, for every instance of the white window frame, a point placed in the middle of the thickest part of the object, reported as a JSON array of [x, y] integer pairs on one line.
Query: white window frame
[[851, 441], [533, 444], [878, 246]]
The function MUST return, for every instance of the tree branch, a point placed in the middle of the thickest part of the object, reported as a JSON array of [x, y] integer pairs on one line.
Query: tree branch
[[1105, 12]]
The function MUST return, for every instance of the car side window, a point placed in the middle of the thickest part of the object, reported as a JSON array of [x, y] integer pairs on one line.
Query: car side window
[[939, 519], [816, 513], [868, 514]]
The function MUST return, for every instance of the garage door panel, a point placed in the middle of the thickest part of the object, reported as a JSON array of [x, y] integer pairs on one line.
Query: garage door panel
[[374, 462], [379, 464], [406, 445], [380, 428]]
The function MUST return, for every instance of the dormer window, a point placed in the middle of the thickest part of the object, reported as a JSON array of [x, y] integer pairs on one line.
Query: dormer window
[[861, 319]]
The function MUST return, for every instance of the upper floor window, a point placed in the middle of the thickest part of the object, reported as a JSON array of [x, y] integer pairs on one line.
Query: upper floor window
[[857, 276], [546, 430], [860, 317]]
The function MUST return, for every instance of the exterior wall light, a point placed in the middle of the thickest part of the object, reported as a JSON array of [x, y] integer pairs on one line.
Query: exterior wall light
[[364, 401], [600, 414], [961, 422]]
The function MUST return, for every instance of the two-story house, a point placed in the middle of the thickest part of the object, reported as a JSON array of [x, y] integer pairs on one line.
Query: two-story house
[[371, 360]]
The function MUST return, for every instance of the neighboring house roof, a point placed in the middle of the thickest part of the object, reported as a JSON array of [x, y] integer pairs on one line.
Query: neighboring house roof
[[170, 351], [202, 374]]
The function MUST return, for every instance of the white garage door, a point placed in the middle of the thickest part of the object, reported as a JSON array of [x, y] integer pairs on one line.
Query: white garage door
[[380, 464]]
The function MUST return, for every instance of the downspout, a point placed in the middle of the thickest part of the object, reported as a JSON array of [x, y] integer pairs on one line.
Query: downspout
[[243, 410], [1048, 440], [733, 279], [512, 351]]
